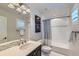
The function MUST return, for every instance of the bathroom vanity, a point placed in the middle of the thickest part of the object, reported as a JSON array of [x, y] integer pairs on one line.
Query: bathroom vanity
[[31, 48], [36, 52]]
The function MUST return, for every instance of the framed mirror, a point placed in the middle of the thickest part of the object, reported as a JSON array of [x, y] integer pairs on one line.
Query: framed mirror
[[20, 28]]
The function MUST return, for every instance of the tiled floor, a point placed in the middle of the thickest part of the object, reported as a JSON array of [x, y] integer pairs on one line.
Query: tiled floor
[[55, 54], [52, 54]]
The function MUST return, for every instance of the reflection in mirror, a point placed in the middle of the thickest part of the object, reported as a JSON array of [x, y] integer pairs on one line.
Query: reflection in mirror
[[20, 27], [20, 24], [3, 29]]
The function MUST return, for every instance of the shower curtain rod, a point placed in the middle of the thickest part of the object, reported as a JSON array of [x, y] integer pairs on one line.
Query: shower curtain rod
[[55, 18]]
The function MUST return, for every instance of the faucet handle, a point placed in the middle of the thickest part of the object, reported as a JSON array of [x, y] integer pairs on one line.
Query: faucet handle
[[22, 42], [18, 43], [5, 38], [25, 41]]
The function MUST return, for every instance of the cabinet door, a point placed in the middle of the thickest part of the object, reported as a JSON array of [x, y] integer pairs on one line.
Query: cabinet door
[[3, 27], [36, 52]]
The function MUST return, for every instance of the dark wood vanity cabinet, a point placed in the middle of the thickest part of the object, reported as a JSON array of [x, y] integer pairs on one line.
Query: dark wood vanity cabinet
[[36, 52]]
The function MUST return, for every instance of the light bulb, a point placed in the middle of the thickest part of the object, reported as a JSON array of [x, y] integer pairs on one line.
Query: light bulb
[[28, 10], [11, 6], [18, 9], [23, 7], [24, 12], [16, 4]]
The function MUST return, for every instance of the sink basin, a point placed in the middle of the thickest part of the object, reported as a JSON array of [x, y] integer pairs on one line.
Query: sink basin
[[27, 45]]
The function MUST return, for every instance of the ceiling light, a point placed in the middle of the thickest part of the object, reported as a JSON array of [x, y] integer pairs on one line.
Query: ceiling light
[[18, 9], [28, 10], [11, 6]]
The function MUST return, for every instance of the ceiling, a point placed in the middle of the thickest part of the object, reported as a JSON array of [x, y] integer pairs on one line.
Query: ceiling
[[42, 7], [52, 9]]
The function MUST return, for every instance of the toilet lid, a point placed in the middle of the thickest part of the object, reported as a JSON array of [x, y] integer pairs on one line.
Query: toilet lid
[[46, 48]]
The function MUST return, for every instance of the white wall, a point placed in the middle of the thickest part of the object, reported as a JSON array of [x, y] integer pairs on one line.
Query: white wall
[[33, 35], [11, 22], [74, 46], [3, 27]]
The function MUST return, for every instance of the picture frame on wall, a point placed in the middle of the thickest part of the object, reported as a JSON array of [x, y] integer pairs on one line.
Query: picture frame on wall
[[37, 24]]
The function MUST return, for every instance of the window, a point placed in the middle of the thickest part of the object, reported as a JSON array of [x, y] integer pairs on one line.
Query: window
[[74, 15]]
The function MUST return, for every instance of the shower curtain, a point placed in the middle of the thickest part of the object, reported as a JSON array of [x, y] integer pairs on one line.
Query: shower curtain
[[47, 34]]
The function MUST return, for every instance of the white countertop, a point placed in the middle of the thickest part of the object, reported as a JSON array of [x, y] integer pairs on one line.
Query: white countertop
[[16, 51]]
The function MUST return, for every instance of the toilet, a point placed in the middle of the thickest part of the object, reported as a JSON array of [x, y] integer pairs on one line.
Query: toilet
[[46, 49]]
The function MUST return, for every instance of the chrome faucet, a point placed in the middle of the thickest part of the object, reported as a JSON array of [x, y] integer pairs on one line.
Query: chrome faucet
[[21, 42]]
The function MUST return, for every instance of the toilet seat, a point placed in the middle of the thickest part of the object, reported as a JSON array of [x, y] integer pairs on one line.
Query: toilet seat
[[46, 49]]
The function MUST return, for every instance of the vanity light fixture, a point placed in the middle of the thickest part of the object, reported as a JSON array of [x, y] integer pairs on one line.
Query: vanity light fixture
[[20, 7]]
